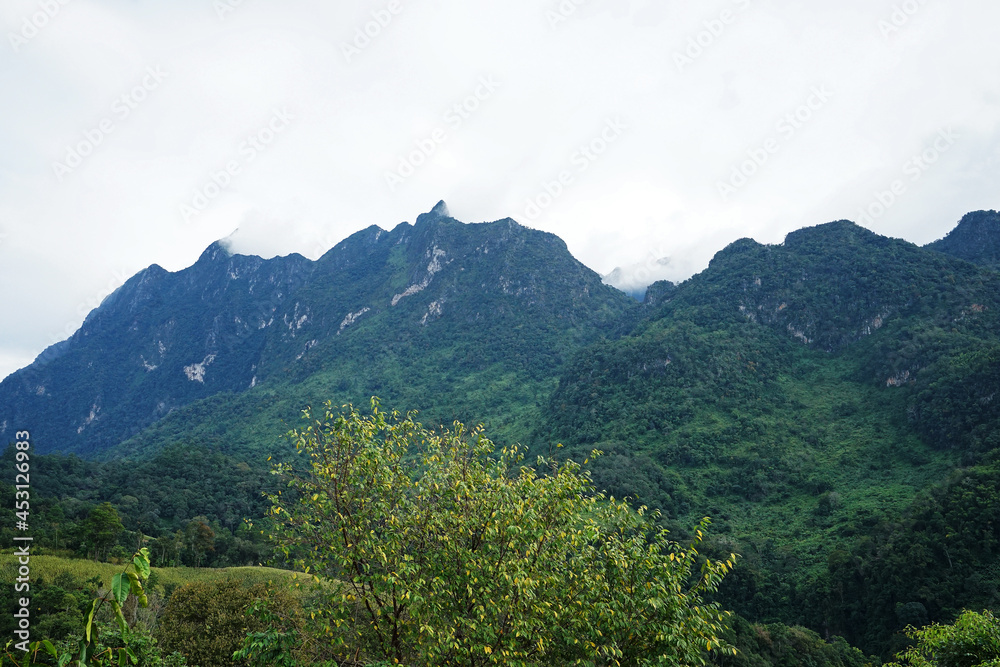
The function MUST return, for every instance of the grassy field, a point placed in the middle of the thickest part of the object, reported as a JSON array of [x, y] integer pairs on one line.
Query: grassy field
[[47, 567]]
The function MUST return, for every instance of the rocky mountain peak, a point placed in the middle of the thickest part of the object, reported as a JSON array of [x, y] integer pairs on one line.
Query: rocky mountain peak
[[215, 252], [975, 239], [440, 211]]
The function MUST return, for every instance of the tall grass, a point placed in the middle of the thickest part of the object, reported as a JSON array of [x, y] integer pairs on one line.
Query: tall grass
[[47, 567]]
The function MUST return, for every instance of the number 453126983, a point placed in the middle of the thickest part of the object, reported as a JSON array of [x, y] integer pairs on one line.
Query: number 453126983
[[23, 479]]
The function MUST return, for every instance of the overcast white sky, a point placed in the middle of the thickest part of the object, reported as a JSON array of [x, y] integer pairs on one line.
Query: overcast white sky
[[115, 113]]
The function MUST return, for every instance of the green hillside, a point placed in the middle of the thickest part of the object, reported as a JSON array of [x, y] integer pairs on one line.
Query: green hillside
[[804, 395]]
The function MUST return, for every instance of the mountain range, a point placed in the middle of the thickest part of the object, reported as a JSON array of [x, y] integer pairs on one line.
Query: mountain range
[[808, 396]]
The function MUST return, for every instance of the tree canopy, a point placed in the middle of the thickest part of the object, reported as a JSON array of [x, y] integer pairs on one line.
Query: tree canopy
[[102, 528], [973, 640], [445, 550]]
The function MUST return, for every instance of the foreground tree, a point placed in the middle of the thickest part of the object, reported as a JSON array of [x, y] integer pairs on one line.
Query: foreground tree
[[973, 640], [445, 551]]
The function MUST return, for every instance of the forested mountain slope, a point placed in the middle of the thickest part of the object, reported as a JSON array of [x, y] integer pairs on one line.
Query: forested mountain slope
[[436, 313], [804, 395], [975, 239]]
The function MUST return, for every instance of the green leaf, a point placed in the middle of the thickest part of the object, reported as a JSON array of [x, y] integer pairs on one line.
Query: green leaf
[[137, 589], [90, 626], [83, 658], [121, 617], [141, 562], [49, 648], [118, 589], [131, 655]]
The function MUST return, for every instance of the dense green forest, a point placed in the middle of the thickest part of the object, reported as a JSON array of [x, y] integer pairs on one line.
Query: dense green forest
[[191, 502]]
